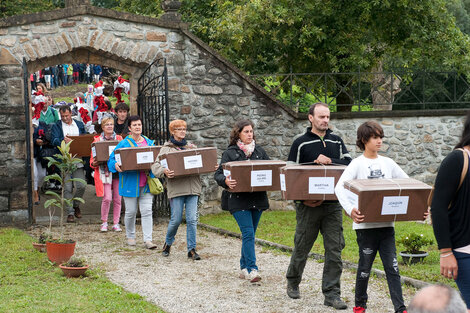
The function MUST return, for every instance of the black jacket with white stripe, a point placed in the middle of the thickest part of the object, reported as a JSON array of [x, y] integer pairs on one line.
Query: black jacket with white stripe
[[309, 146]]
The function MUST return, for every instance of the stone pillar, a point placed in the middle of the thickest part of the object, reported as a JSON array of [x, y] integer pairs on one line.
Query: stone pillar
[[73, 3], [171, 11]]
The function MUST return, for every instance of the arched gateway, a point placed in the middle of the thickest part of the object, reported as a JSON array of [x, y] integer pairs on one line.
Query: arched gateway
[[203, 88]]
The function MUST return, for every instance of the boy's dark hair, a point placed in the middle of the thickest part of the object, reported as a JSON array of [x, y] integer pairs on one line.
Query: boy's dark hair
[[108, 104], [133, 118], [64, 108], [367, 130], [121, 106], [311, 111]]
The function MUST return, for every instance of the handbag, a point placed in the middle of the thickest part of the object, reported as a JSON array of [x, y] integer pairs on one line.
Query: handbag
[[155, 185]]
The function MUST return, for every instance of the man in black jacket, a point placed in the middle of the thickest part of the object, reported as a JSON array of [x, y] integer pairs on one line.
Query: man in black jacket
[[318, 146]]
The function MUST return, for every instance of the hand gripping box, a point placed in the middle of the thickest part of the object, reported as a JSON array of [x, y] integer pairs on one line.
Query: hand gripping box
[[80, 146], [101, 150], [310, 182], [136, 158], [190, 161], [254, 175], [387, 200]]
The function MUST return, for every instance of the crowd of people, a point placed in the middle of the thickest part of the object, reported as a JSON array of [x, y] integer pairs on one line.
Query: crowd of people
[[318, 145], [68, 74]]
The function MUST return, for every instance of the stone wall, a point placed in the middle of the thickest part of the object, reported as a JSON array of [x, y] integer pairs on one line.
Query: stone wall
[[204, 89]]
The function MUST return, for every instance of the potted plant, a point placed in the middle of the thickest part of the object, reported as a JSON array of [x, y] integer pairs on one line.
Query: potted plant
[[60, 250], [413, 243], [75, 267], [41, 244]]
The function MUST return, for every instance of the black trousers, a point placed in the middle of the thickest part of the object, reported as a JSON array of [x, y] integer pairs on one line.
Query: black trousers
[[371, 241]]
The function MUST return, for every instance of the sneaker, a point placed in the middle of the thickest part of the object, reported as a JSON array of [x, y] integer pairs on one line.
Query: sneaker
[[70, 218], [254, 276], [192, 254], [336, 303], [117, 228], [166, 250], [150, 245], [104, 227], [244, 274], [359, 309], [293, 292], [131, 241]]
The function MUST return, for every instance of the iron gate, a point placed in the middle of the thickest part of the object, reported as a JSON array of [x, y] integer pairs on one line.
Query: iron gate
[[28, 140], [152, 104]]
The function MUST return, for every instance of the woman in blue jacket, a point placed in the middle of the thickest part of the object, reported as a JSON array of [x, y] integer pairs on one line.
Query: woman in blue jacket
[[133, 186]]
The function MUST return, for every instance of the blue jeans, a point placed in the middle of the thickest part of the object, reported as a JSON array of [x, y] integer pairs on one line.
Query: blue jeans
[[463, 277], [247, 221], [371, 241], [177, 205]]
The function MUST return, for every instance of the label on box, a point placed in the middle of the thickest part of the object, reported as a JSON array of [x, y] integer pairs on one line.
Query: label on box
[[117, 157], [261, 178], [395, 205], [321, 185], [164, 163], [93, 151], [352, 198], [193, 161], [282, 179], [227, 173], [111, 149], [144, 157]]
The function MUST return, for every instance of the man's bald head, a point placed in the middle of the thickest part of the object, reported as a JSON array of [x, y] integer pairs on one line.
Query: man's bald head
[[437, 299]]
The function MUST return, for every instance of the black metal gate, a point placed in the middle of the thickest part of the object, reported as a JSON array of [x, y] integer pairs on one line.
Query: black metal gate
[[152, 103], [28, 139]]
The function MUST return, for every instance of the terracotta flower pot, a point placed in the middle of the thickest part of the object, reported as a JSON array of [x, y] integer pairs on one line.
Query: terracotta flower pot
[[41, 247], [73, 271], [59, 253]]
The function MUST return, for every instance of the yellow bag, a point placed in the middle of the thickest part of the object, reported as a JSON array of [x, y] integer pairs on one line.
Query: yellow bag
[[155, 185]]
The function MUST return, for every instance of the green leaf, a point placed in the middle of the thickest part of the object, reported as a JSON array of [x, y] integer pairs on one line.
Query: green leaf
[[55, 194], [53, 176], [78, 180]]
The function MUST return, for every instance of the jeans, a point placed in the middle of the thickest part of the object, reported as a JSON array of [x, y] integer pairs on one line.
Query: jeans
[[79, 189], [177, 204], [247, 221], [145, 207], [371, 241], [327, 219], [463, 277], [111, 192]]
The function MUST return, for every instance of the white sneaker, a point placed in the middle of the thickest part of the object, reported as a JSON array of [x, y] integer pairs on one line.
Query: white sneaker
[[244, 274], [117, 228], [254, 276], [104, 227]]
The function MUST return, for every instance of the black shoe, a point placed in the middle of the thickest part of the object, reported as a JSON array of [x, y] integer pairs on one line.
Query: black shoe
[[78, 214], [193, 255], [70, 219], [166, 250], [336, 303], [293, 292]]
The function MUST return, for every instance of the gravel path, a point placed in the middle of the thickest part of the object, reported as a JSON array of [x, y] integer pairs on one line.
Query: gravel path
[[177, 284]]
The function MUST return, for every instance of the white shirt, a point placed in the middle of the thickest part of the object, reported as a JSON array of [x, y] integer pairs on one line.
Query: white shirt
[[365, 168], [70, 130]]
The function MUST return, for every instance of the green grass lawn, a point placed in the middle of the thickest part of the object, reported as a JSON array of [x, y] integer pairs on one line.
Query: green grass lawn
[[279, 227], [67, 93], [30, 283]]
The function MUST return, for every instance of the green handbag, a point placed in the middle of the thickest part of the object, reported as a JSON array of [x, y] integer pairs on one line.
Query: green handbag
[[155, 185]]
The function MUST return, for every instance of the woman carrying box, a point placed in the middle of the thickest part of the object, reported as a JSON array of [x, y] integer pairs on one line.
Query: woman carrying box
[[133, 186], [246, 207], [107, 183], [183, 192]]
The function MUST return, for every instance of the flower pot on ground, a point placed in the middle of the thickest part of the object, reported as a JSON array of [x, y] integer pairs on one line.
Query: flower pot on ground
[[74, 268], [60, 251], [413, 243], [41, 244]]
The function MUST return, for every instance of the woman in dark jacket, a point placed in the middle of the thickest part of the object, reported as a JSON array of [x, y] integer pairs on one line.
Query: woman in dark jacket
[[246, 207], [451, 215]]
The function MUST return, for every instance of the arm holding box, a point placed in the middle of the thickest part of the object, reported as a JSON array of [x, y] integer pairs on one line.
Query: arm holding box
[[345, 158], [349, 173], [157, 169]]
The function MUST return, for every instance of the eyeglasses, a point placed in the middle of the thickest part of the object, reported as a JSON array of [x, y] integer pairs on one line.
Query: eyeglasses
[[108, 124], [180, 129]]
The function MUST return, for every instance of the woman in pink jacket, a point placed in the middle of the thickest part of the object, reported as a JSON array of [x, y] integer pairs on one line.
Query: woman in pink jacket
[[107, 183]]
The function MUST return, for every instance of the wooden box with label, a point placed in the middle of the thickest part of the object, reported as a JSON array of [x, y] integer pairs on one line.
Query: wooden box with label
[[101, 150], [388, 200], [254, 175], [80, 146], [310, 182], [136, 158], [190, 161]]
